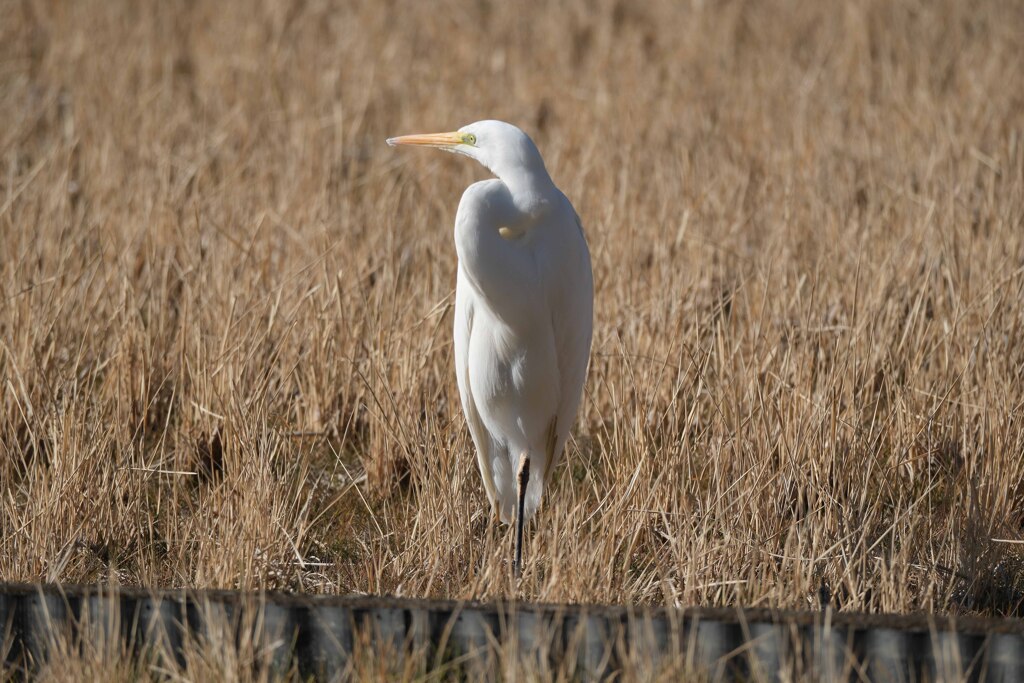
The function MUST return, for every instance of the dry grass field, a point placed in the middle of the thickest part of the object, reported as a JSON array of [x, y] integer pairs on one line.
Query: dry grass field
[[225, 304]]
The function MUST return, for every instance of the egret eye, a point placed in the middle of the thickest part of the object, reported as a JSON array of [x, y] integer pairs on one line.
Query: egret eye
[[469, 139]]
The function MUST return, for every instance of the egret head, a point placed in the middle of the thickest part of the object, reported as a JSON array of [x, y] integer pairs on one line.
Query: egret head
[[503, 148]]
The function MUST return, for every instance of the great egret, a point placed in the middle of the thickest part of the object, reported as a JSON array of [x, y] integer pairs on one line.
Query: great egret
[[524, 302]]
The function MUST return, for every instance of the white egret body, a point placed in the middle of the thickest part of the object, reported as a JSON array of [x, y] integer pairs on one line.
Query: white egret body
[[524, 303]]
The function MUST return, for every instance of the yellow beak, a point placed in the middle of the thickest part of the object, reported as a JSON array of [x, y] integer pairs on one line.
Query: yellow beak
[[428, 140]]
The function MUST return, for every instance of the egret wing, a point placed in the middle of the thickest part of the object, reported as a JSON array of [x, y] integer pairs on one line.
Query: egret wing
[[481, 437], [572, 319]]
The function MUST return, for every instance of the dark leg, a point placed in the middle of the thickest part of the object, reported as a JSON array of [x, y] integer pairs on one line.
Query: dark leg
[[522, 480]]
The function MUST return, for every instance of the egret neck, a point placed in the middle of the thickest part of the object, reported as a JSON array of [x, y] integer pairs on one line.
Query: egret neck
[[524, 174], [532, 190]]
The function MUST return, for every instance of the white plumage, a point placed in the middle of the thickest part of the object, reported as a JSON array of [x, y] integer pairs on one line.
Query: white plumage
[[523, 314]]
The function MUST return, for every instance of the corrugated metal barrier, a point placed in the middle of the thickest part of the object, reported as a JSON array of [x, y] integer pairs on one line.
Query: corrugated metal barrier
[[321, 634]]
